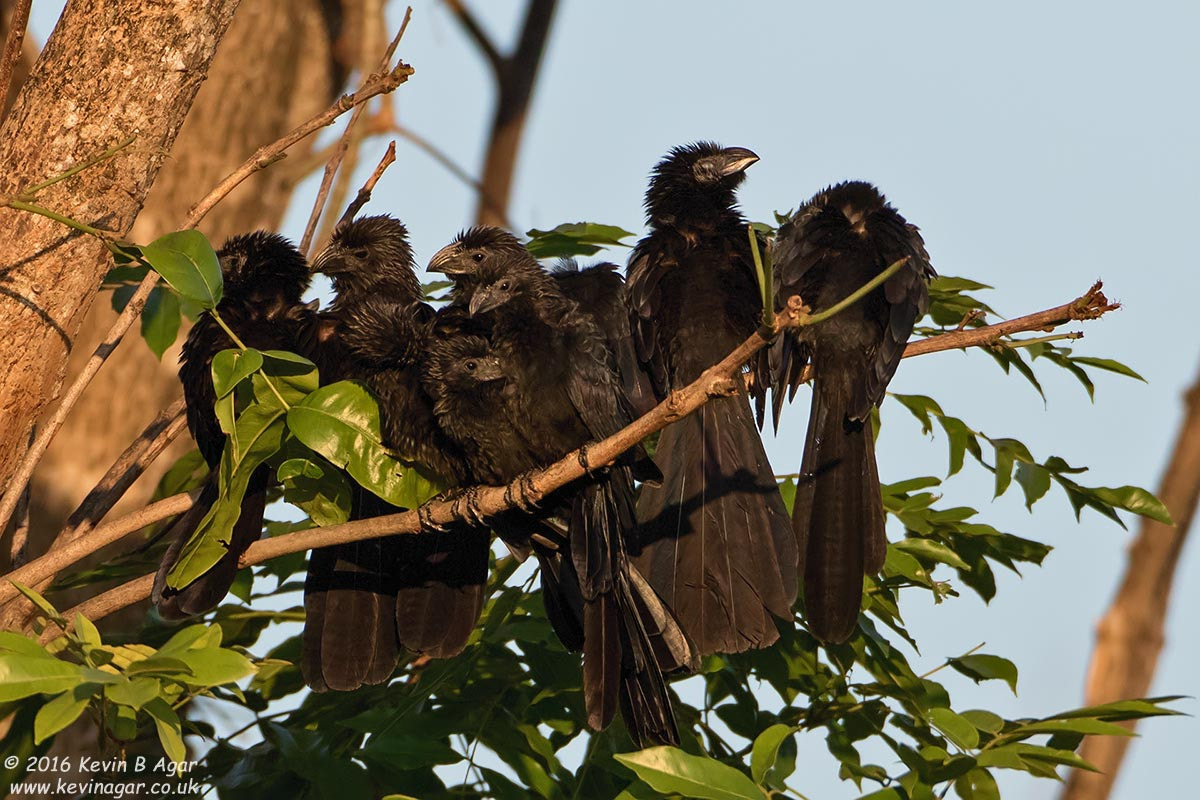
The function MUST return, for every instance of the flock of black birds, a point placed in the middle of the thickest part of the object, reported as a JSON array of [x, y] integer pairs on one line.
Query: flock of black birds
[[650, 562]]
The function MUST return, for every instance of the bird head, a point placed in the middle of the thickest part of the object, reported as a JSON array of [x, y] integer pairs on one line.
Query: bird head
[[263, 264], [368, 254], [472, 250], [696, 179], [465, 362]]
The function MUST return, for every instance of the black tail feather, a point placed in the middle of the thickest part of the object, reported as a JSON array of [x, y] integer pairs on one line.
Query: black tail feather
[[838, 516], [441, 579], [714, 540], [350, 634]]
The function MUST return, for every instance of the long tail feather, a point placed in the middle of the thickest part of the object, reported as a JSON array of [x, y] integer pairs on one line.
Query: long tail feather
[[714, 539]]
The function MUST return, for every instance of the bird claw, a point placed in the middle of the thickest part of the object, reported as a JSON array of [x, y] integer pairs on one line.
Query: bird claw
[[474, 512], [582, 455], [522, 498], [428, 524]]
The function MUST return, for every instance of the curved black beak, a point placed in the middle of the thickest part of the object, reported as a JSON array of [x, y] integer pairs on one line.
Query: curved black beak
[[737, 159], [444, 261]]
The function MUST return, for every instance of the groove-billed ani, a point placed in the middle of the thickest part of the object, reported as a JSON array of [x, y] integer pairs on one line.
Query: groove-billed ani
[[264, 276], [837, 242], [715, 540], [422, 592], [598, 289], [540, 385]]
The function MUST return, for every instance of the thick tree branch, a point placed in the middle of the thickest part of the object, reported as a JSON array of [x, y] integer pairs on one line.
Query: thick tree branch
[[718, 381], [466, 18], [1130, 638], [516, 79]]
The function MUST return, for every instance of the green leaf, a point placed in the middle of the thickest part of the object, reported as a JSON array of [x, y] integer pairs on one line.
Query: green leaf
[[25, 675], [575, 239], [341, 422], [766, 750], [160, 320], [11, 642], [134, 693], [981, 667], [984, 720], [294, 376], [409, 751], [1034, 480], [86, 631], [1108, 364], [669, 770], [42, 603], [1084, 725], [189, 264], [257, 435], [212, 666], [60, 712], [170, 734], [935, 551], [978, 784], [231, 367], [956, 729], [1137, 500], [317, 488]]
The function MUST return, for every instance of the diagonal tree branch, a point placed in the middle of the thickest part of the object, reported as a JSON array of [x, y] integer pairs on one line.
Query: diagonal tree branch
[[466, 18], [718, 381]]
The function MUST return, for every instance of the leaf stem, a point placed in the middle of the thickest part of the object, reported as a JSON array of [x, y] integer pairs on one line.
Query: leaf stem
[[764, 278], [30, 191], [34, 208], [854, 297], [242, 346]]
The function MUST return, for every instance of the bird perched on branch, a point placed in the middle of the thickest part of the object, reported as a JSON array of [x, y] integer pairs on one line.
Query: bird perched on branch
[[837, 242], [264, 277], [714, 540], [599, 290], [527, 380], [424, 592]]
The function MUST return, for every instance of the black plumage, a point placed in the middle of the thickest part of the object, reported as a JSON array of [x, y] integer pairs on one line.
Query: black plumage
[[598, 289], [264, 276], [524, 380], [715, 540], [838, 241], [365, 600]]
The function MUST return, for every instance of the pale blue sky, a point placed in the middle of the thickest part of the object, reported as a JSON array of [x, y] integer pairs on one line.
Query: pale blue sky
[[1038, 145]]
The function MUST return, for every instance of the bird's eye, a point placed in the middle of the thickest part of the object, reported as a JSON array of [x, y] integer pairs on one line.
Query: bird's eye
[[470, 365], [477, 257], [361, 253], [504, 286]]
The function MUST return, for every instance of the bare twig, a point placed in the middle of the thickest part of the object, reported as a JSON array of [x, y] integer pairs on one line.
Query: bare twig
[[262, 158], [13, 45], [339, 153], [364, 194], [128, 467]]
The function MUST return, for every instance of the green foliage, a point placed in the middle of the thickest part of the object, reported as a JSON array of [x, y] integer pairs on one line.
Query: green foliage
[[126, 687], [575, 239]]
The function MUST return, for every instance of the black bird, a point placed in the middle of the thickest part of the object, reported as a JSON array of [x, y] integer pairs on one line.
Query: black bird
[[599, 290], [715, 540], [264, 276], [364, 600], [838, 241], [542, 383]]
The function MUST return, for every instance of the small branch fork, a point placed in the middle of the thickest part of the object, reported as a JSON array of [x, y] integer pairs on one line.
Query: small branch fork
[[717, 381], [385, 81]]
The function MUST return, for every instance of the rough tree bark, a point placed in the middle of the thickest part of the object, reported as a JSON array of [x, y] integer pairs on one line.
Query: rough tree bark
[[110, 70], [1129, 638], [276, 67]]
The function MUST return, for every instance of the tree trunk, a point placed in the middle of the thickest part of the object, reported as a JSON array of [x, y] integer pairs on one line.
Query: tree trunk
[[275, 68], [1130, 636], [110, 70]]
